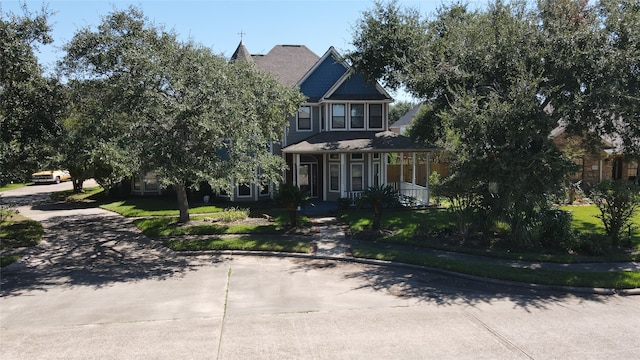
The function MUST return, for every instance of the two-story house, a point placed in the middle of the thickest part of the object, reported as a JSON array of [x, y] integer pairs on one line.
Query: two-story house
[[338, 144]]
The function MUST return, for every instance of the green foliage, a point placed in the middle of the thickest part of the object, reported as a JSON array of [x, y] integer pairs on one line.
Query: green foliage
[[18, 231], [178, 109], [292, 197], [31, 105], [239, 243], [233, 214], [169, 226], [378, 197], [488, 77], [397, 110], [617, 201], [616, 280]]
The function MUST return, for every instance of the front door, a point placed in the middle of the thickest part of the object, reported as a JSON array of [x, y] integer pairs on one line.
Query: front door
[[308, 178]]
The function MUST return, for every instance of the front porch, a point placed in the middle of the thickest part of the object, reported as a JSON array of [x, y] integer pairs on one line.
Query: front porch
[[342, 165]]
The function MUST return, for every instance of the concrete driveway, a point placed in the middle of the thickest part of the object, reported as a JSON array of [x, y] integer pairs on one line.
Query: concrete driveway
[[97, 288]]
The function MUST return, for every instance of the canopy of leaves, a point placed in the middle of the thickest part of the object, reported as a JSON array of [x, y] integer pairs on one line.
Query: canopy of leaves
[[178, 109], [31, 105]]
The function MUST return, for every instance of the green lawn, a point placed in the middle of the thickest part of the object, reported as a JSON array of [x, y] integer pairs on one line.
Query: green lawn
[[414, 227], [169, 226], [617, 280], [239, 243], [13, 186], [17, 232], [158, 218]]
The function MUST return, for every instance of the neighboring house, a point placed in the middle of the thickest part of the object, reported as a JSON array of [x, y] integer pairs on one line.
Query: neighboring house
[[339, 142], [404, 123], [607, 162]]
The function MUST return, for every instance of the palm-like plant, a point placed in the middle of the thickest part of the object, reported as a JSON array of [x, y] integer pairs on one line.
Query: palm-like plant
[[378, 197], [292, 197]]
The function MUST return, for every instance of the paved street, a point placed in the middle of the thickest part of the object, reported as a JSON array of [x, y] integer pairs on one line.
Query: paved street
[[97, 288]]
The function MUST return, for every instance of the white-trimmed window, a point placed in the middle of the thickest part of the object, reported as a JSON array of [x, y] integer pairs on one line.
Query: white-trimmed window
[[357, 157], [338, 112], [376, 174], [304, 118], [334, 157], [334, 177], [357, 116], [357, 177], [375, 116], [244, 190]]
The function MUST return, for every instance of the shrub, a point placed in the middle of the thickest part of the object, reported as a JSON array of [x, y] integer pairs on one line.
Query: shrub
[[555, 230], [593, 244], [344, 203], [233, 214], [617, 201]]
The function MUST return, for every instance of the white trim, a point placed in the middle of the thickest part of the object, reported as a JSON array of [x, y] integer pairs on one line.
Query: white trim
[[364, 116], [353, 166], [332, 165], [310, 129], [343, 175], [325, 171], [368, 117], [346, 117], [237, 191]]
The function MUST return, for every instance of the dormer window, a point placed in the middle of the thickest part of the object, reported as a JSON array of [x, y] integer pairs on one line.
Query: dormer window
[[338, 116], [357, 116], [375, 116], [304, 118]]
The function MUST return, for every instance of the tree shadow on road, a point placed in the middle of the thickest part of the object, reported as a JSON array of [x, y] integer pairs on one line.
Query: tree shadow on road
[[91, 251], [447, 289]]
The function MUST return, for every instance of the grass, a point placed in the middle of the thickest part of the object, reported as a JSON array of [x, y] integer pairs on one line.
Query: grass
[[7, 187], [239, 243], [169, 226], [617, 280], [17, 232], [412, 228], [160, 220], [89, 195]]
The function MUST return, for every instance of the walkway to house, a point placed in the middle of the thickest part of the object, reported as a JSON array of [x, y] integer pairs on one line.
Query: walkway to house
[[330, 239]]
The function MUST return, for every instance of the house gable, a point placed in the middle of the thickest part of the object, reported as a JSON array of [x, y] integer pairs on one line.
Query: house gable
[[323, 76], [354, 87]]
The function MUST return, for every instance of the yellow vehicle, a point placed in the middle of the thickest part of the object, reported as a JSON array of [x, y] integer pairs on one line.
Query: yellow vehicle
[[50, 176]]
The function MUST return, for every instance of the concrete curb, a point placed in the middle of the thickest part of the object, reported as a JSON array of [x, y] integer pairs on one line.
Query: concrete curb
[[568, 289]]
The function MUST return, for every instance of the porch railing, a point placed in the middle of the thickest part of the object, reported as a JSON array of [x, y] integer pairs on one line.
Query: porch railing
[[409, 194]]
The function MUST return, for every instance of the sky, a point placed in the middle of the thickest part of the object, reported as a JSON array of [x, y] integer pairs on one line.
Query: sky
[[218, 24]]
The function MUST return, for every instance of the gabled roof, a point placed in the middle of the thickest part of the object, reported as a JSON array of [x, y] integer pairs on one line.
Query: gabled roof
[[331, 78], [355, 141], [288, 63], [407, 118], [323, 75]]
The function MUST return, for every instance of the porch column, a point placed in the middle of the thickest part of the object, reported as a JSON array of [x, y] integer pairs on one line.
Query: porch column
[[326, 178], [401, 170], [296, 175], [370, 170], [428, 156], [413, 168], [343, 175]]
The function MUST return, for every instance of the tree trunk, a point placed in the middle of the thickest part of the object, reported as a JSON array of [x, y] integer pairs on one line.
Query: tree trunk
[[77, 185], [377, 217], [183, 203], [293, 217]]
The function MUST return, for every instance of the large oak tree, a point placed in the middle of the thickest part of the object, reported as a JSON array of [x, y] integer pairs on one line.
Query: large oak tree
[[498, 80], [31, 104], [181, 110]]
